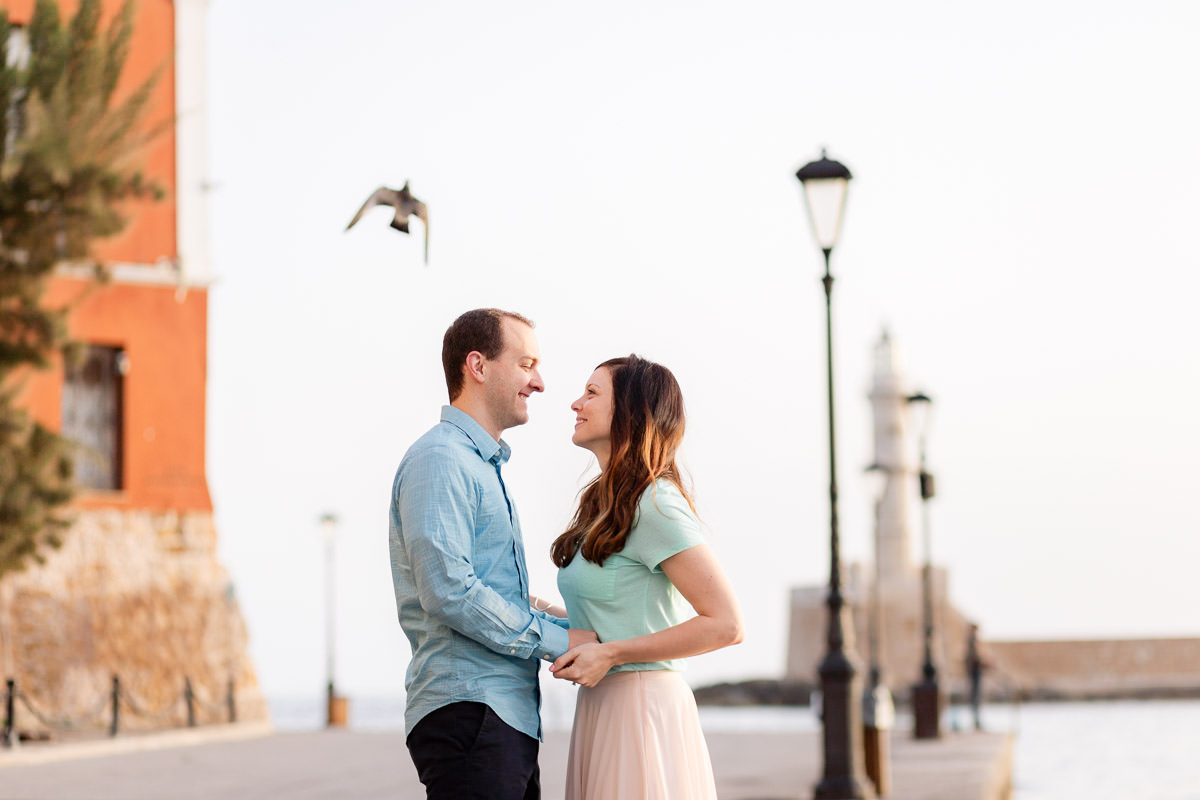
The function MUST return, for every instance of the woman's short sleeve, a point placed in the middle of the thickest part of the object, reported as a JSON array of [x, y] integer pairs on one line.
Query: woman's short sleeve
[[665, 526]]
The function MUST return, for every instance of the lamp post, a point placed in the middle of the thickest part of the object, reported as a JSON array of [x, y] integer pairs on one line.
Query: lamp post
[[926, 693], [824, 182], [335, 705]]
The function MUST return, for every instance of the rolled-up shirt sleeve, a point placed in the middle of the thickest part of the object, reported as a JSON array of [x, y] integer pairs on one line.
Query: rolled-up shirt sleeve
[[561, 622], [437, 503]]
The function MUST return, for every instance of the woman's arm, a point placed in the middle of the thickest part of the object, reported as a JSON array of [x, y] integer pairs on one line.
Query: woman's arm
[[698, 576], [545, 606]]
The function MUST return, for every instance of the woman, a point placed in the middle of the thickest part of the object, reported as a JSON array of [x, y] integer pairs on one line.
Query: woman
[[632, 550]]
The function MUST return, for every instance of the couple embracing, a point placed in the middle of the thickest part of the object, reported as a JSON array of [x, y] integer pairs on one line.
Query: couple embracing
[[641, 588]]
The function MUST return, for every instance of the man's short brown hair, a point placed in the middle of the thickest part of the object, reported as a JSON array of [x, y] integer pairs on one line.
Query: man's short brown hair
[[481, 329]]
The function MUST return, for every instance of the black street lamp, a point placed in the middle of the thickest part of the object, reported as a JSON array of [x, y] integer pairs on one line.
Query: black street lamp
[[825, 182], [926, 693]]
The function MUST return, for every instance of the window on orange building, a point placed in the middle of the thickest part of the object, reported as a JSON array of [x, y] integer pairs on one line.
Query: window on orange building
[[92, 413]]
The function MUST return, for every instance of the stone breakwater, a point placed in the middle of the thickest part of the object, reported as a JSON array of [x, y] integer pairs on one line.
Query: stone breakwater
[[1097, 669], [136, 594]]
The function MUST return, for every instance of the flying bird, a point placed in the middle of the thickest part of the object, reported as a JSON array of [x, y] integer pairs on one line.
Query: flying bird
[[406, 206]]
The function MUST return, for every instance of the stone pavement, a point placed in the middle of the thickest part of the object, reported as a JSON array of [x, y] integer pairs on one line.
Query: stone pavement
[[247, 762]]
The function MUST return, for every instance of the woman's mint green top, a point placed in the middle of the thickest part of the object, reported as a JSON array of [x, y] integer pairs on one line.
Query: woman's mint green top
[[630, 596]]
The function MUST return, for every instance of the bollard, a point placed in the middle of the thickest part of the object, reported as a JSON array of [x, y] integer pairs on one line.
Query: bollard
[[116, 704], [879, 716], [927, 704], [229, 700], [10, 708], [338, 709], [189, 697]]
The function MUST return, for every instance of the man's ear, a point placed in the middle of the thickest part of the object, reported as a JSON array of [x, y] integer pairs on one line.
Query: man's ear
[[475, 366]]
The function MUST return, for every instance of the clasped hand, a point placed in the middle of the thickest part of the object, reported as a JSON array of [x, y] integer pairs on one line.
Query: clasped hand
[[585, 665]]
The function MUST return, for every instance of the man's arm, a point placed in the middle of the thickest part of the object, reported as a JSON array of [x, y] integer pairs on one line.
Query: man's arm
[[578, 635], [436, 504]]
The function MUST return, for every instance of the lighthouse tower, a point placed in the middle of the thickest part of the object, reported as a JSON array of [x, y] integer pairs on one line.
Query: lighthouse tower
[[893, 455], [898, 601]]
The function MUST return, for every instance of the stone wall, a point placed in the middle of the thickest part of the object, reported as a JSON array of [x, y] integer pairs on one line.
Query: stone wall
[[1031, 669], [1098, 668], [136, 594], [901, 632]]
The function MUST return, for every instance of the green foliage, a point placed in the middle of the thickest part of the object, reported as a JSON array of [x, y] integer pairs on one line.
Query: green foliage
[[35, 482], [67, 161]]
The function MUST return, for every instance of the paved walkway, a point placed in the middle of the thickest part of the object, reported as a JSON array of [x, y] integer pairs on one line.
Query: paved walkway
[[247, 762]]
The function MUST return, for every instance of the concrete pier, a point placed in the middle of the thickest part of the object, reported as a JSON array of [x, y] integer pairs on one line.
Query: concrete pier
[[236, 762]]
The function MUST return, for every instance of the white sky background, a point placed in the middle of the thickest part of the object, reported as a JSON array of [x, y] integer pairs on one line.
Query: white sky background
[[1023, 217]]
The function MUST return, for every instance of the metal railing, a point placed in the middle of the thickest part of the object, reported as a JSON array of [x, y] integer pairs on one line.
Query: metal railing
[[112, 703]]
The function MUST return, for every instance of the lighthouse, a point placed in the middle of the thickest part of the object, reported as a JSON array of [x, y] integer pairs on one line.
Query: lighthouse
[[899, 586], [894, 458]]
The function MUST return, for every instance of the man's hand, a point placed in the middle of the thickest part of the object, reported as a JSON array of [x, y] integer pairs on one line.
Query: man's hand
[[578, 636]]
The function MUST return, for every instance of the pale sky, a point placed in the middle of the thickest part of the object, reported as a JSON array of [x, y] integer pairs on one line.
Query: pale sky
[[1022, 219]]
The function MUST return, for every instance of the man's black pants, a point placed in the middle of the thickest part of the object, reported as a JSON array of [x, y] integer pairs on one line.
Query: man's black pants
[[463, 751]]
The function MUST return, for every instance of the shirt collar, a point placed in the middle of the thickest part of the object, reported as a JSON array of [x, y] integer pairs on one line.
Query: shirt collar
[[488, 448]]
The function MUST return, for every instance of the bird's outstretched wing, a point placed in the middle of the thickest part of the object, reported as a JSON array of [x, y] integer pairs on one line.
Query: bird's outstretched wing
[[405, 205], [382, 196]]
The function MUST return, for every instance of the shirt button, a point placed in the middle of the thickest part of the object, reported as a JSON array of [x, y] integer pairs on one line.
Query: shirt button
[[512, 651]]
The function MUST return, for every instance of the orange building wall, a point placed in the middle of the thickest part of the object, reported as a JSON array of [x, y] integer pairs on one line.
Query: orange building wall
[[164, 339], [164, 390], [150, 234]]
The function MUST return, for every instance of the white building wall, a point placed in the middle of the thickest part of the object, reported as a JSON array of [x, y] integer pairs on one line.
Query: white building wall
[[191, 142]]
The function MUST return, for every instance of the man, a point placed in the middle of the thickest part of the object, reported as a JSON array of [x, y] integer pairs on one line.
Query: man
[[462, 588], [976, 664]]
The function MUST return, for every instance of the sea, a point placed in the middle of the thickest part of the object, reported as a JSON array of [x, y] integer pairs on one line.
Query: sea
[[1110, 750]]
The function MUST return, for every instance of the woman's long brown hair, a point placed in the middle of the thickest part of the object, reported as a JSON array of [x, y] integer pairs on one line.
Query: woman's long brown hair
[[647, 427]]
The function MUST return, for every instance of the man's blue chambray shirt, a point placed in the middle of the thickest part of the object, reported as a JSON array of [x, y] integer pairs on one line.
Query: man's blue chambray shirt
[[462, 589]]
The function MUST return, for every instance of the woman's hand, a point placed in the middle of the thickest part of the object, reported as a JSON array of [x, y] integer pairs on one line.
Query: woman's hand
[[585, 665]]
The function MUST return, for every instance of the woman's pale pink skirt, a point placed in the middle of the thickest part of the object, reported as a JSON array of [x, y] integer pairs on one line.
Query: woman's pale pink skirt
[[637, 737]]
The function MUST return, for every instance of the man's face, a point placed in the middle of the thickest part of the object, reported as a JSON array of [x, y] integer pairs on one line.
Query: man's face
[[513, 376]]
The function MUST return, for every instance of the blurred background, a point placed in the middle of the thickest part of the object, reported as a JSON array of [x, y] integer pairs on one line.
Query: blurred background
[[1021, 220]]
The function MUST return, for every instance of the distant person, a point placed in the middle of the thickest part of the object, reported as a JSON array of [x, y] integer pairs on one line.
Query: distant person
[[975, 664], [633, 554], [462, 587]]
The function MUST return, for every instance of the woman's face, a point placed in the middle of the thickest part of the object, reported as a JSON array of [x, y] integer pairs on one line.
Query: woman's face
[[593, 415]]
